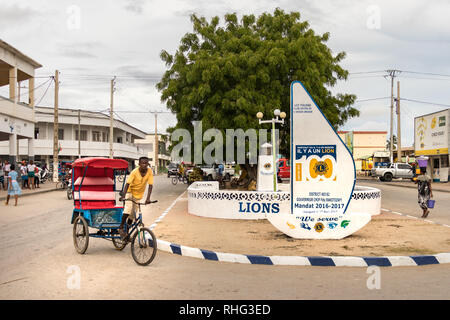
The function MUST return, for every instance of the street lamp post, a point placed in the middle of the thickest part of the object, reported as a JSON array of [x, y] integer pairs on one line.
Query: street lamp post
[[277, 114]]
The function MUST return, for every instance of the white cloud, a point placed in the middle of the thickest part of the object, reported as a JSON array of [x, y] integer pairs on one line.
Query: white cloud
[[126, 37]]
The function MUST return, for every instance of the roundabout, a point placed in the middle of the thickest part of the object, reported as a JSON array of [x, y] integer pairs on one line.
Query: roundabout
[[388, 240], [320, 219]]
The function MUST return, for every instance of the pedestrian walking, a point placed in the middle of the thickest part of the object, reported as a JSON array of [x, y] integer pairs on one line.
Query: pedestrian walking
[[13, 185], [31, 167], [424, 191]]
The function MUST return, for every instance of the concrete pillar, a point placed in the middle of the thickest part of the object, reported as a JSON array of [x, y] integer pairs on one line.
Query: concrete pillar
[[31, 92], [13, 84], [13, 152], [31, 149]]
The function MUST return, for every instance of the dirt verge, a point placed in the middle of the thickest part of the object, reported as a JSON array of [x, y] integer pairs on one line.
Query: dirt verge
[[385, 235]]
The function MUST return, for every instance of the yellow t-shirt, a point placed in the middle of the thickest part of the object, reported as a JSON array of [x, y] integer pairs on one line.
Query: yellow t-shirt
[[138, 183]]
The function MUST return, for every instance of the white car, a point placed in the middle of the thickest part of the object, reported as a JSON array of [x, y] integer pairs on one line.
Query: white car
[[393, 170]]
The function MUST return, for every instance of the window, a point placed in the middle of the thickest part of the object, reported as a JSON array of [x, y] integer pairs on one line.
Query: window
[[96, 136], [404, 166], [36, 133], [60, 134], [105, 137], [119, 139], [83, 136]]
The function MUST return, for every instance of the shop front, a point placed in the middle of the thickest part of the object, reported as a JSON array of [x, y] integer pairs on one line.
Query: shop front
[[431, 139]]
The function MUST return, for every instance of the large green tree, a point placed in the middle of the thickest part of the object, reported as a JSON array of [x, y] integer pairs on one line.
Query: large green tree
[[223, 74]]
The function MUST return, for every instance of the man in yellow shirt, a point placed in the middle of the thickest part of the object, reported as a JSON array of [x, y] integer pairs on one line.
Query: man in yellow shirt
[[139, 178]]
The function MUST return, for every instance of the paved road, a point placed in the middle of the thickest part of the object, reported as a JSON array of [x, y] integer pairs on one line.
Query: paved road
[[404, 200], [38, 261]]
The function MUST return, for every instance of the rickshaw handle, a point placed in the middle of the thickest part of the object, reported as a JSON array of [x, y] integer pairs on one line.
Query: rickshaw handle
[[152, 201]]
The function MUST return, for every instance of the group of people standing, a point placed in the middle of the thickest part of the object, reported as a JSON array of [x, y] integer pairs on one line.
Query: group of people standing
[[29, 174]]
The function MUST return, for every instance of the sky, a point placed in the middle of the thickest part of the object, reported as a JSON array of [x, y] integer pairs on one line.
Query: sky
[[89, 42]]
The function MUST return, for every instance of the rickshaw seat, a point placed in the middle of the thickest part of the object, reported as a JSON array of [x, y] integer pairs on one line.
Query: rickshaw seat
[[94, 181], [95, 195]]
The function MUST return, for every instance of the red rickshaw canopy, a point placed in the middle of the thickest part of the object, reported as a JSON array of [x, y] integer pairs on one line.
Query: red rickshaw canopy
[[101, 163], [94, 177]]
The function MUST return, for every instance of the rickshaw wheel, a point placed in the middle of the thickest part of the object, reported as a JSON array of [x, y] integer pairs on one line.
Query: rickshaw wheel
[[174, 180], [80, 235], [119, 244], [143, 251], [69, 194]]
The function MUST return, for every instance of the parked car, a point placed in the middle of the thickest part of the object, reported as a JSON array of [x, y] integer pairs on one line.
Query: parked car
[[210, 172], [172, 169], [393, 171], [283, 169]]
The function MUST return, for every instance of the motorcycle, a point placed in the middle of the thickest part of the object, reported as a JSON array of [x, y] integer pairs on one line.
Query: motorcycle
[[43, 175]]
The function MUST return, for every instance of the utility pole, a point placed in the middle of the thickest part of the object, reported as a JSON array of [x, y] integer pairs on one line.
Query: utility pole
[[399, 132], [111, 119], [79, 133], [392, 74], [156, 143], [55, 130]]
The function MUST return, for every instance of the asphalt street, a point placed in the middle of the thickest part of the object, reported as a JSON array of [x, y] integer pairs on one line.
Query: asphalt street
[[38, 261], [404, 200]]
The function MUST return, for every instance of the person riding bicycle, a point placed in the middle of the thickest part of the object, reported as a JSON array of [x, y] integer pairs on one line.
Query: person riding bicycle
[[135, 189], [181, 169]]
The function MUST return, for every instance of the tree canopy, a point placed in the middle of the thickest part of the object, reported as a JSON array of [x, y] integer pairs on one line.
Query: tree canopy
[[223, 74]]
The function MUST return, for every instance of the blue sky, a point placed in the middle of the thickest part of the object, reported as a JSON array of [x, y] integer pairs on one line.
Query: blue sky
[[124, 38]]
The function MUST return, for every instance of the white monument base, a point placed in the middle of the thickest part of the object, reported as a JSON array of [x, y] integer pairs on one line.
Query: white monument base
[[324, 227], [206, 200]]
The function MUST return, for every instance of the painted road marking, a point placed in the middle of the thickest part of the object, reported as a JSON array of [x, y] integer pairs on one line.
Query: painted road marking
[[407, 215]]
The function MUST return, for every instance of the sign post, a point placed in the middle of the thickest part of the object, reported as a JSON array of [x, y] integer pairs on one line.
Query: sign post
[[323, 176]]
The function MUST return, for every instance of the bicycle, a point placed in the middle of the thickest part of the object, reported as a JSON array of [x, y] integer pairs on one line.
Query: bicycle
[[62, 183], [179, 177], [146, 239]]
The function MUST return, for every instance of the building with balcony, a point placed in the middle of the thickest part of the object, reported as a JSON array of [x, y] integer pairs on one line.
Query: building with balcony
[[91, 141], [17, 118]]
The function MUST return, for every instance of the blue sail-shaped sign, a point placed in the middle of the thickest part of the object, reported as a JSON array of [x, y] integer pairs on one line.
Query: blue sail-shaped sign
[[322, 171], [323, 176]]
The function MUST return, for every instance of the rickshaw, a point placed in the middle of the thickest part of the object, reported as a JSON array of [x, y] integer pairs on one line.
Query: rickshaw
[[63, 177], [94, 187]]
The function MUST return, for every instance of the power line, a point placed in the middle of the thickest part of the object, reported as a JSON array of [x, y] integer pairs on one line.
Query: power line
[[372, 99], [32, 90], [46, 90], [428, 73], [426, 102], [364, 72], [422, 78]]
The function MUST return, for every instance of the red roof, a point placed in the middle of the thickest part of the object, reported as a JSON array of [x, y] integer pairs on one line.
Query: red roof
[[101, 163]]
